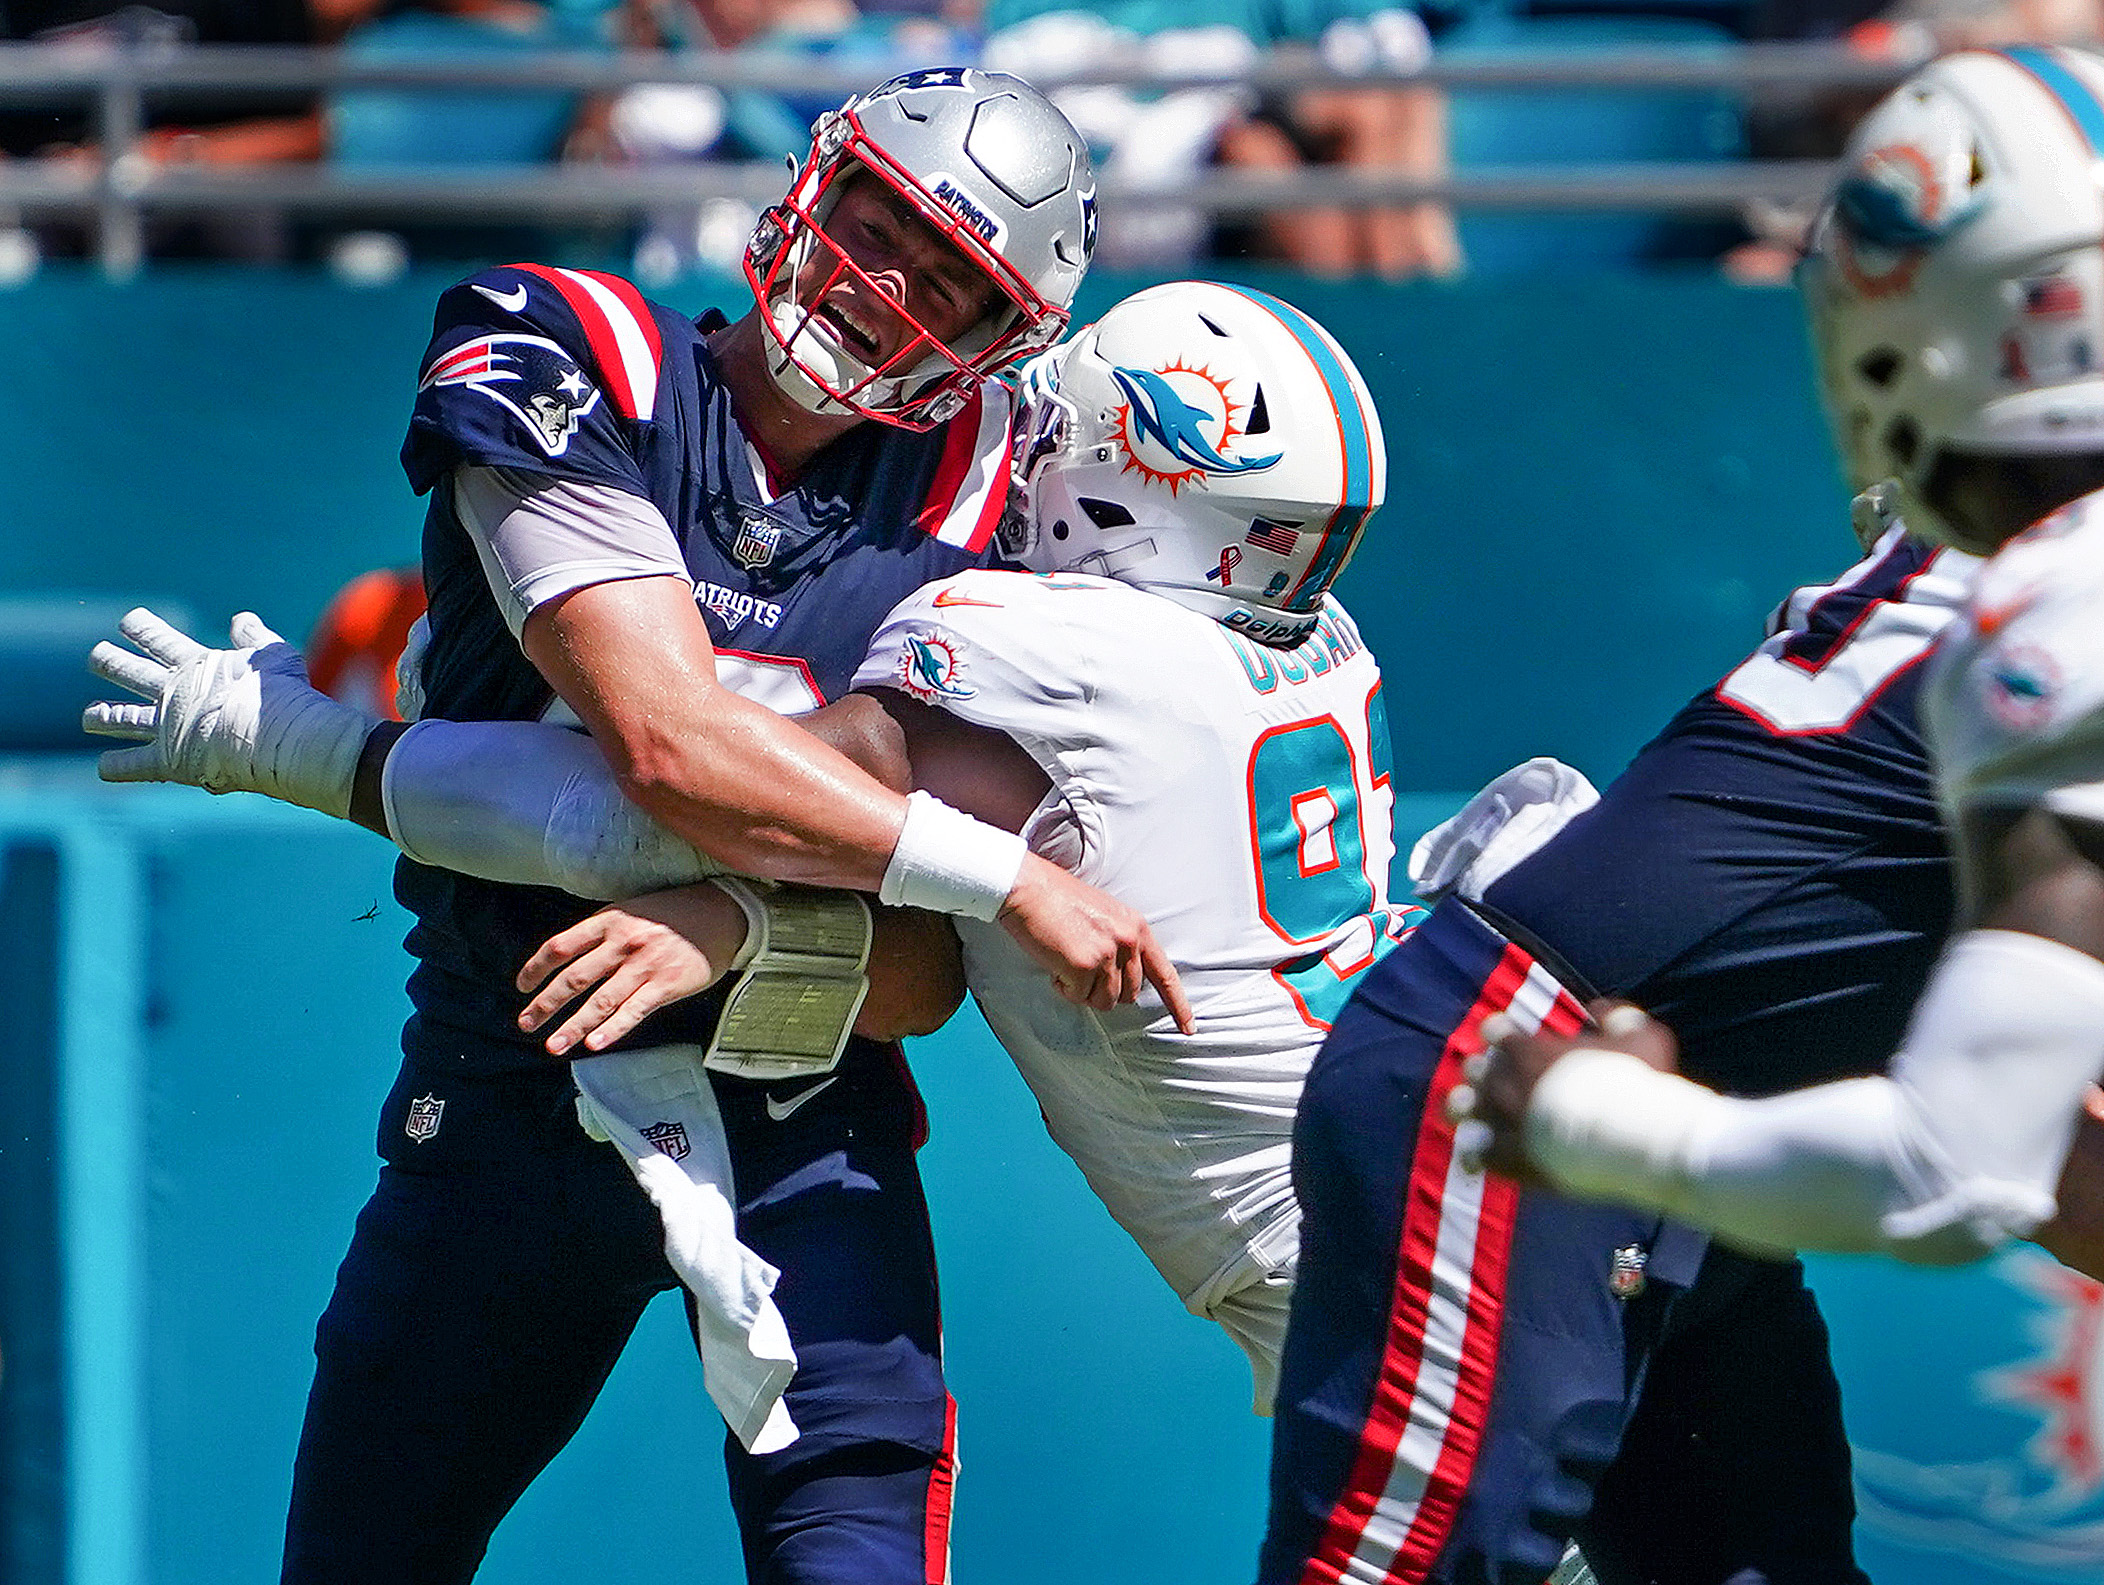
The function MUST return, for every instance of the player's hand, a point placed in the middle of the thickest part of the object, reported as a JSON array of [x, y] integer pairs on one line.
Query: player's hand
[[1098, 951], [243, 719], [632, 958], [1489, 1105]]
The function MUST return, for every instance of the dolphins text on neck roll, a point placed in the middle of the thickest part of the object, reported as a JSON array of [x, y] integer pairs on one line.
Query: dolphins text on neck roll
[[1334, 641]]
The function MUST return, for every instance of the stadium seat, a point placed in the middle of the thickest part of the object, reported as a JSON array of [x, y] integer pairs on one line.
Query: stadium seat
[[398, 126], [1492, 128]]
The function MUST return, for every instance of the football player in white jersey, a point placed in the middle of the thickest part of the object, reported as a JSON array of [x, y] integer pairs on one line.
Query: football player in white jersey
[[1197, 727], [1176, 708], [1956, 286]]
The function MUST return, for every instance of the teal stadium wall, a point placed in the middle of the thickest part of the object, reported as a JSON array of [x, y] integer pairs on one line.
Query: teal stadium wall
[[1598, 488]]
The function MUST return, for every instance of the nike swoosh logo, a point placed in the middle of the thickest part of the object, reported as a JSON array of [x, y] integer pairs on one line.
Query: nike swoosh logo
[[952, 597], [512, 302], [780, 1111]]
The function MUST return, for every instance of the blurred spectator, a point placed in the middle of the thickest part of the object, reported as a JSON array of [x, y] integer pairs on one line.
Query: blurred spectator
[[376, 128], [1139, 138], [229, 129], [352, 652], [1398, 130], [1914, 30], [353, 126], [234, 127], [1812, 126], [658, 123], [1154, 138]]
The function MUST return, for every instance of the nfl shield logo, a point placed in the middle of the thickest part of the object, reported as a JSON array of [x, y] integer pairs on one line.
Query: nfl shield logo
[[756, 542], [1625, 1276], [671, 1138], [424, 1113]]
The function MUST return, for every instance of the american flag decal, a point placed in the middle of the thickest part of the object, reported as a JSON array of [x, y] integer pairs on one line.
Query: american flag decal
[[1279, 538], [2053, 297]]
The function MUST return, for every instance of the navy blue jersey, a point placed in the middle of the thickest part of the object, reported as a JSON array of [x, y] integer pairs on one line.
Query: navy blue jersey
[[572, 374], [1769, 875]]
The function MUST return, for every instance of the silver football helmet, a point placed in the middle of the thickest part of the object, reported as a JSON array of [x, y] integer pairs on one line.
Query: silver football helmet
[[1210, 443], [997, 171], [1955, 281]]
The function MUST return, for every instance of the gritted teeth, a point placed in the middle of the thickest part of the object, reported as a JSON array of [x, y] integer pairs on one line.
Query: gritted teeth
[[860, 337]]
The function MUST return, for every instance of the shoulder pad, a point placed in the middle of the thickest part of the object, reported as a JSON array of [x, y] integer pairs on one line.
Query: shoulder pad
[[970, 487], [601, 321]]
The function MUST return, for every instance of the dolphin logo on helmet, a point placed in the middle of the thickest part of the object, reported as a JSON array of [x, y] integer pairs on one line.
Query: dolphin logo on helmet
[[1955, 279], [1889, 210], [1160, 414], [1891, 201], [1162, 391]]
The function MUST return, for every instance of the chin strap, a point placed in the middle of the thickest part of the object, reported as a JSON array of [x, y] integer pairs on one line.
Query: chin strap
[[805, 963]]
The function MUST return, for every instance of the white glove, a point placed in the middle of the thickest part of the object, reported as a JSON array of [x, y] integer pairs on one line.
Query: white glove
[[1506, 822], [228, 720], [1875, 512]]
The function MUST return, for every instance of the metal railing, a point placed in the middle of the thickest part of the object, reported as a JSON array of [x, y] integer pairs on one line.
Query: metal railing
[[117, 82]]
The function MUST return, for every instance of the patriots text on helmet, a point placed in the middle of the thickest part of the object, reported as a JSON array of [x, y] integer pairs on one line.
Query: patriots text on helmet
[[967, 209]]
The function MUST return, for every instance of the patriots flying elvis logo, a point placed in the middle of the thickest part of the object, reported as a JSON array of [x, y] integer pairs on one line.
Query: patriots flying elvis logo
[[1164, 422], [529, 376], [929, 669]]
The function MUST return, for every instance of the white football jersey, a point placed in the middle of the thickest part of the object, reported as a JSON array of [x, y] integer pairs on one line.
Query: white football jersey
[[1236, 795], [2015, 706]]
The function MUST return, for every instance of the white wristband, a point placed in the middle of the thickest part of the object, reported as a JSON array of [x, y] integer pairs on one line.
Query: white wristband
[[949, 863]]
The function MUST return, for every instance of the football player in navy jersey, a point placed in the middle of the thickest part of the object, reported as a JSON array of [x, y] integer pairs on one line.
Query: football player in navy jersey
[[1958, 341], [1459, 1392], [659, 528], [1477, 1370]]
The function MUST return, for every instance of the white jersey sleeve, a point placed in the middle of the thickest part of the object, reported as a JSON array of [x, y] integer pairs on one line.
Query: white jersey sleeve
[[1010, 652], [2015, 706], [1238, 797]]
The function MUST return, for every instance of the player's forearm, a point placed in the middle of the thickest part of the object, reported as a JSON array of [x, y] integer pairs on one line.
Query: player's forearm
[[517, 801], [1958, 1150], [741, 783], [760, 796], [1812, 1170], [730, 776]]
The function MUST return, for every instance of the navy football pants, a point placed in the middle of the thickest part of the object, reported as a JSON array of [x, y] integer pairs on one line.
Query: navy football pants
[[499, 1269], [1466, 1384]]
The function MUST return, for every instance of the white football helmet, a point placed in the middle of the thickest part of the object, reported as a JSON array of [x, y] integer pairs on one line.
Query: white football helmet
[[997, 171], [1208, 442], [1955, 281]]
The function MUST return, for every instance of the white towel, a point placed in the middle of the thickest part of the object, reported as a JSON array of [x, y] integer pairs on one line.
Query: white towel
[[1502, 824], [657, 1109]]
